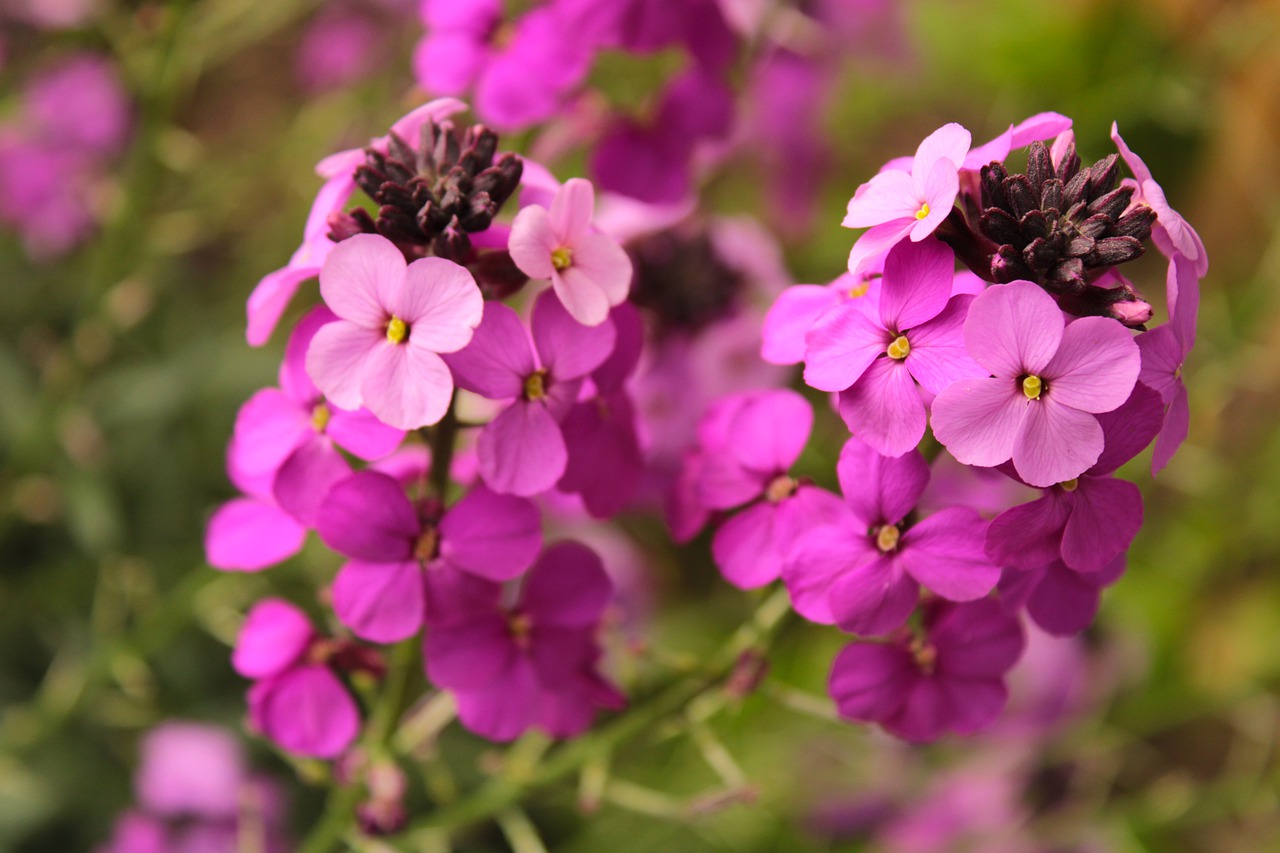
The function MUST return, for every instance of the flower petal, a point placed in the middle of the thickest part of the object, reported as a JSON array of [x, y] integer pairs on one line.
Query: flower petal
[[380, 602], [441, 304], [1055, 443], [406, 386], [1095, 366], [522, 450], [884, 409], [1013, 329], [493, 536], [360, 278], [979, 420]]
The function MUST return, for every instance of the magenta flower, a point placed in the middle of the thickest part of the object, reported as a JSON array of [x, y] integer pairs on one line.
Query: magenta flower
[[1049, 381], [1058, 598], [589, 271], [748, 444], [190, 769], [1037, 128], [296, 699], [1089, 521], [394, 319], [897, 204], [520, 73], [402, 556], [522, 451], [339, 47], [251, 532], [605, 463], [877, 361], [274, 292], [1172, 234], [80, 105], [287, 437], [798, 308], [864, 569], [951, 678], [533, 665]]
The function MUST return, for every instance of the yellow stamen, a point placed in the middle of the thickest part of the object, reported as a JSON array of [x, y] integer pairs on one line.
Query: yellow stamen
[[859, 290], [520, 625], [887, 538], [923, 211], [1032, 386], [1070, 485], [535, 387], [899, 349], [925, 655], [320, 417], [397, 331], [780, 488], [561, 258]]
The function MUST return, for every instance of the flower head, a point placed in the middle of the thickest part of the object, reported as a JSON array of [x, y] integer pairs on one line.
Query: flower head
[[393, 320]]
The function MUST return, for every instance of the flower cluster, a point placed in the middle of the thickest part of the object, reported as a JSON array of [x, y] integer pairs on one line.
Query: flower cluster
[[74, 120], [1036, 362]]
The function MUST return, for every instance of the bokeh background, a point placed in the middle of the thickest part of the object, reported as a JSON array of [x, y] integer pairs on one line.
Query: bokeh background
[[123, 362]]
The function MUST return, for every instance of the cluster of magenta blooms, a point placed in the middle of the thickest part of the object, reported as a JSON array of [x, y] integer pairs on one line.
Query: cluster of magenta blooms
[[978, 487]]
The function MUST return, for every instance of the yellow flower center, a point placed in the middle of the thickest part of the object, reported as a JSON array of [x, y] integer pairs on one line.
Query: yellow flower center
[[923, 211], [899, 349], [520, 625], [1032, 386], [1070, 485], [859, 290], [562, 258], [397, 331], [780, 488], [535, 385], [887, 538], [320, 417]]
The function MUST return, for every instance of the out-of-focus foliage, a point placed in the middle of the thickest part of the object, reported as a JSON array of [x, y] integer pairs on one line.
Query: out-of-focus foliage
[[122, 365]]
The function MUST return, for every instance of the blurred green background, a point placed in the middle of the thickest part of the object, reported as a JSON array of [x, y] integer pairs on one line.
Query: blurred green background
[[123, 364]]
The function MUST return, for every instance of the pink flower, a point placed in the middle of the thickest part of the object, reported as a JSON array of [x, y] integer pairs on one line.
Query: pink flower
[[522, 451], [1049, 380], [287, 437], [190, 769], [588, 270], [1037, 128], [533, 665], [405, 558], [949, 678], [797, 308], [863, 569], [1089, 521], [897, 204], [393, 321], [1164, 350], [252, 532], [296, 699], [748, 443], [877, 361]]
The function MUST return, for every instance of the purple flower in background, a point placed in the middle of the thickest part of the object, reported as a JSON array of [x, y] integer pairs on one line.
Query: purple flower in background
[[520, 72], [950, 677], [1049, 382], [654, 162], [532, 665], [863, 571], [749, 443], [405, 558], [394, 320], [338, 47], [195, 794], [287, 437], [296, 699], [522, 451], [1089, 521], [877, 361], [80, 105], [897, 204], [589, 271]]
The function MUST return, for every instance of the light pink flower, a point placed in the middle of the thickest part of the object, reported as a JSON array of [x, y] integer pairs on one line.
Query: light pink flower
[[897, 204], [1047, 384], [588, 270], [393, 321]]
